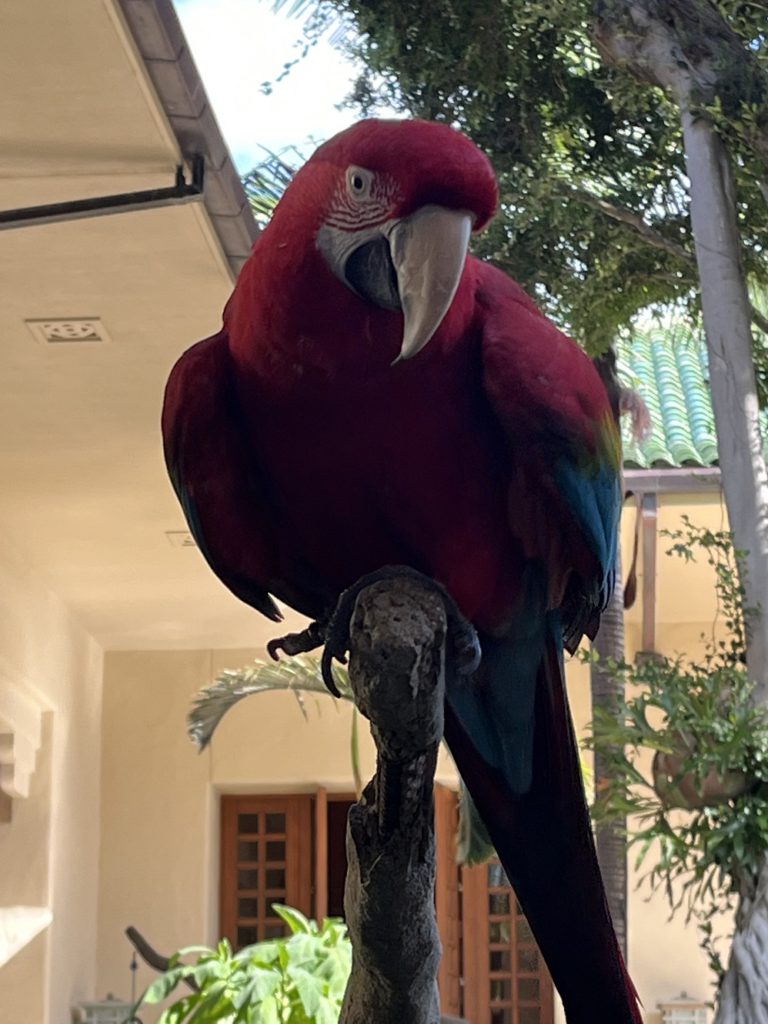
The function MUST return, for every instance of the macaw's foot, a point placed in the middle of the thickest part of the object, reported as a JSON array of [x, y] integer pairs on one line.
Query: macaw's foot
[[463, 644], [299, 643]]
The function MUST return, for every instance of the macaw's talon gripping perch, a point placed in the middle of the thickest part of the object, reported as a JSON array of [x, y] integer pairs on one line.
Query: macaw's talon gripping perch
[[299, 643], [397, 629], [463, 644]]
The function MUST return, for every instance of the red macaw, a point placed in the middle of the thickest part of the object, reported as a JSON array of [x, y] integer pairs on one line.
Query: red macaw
[[377, 397]]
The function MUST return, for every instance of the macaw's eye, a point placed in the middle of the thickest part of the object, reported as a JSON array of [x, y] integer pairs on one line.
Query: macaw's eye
[[359, 182]]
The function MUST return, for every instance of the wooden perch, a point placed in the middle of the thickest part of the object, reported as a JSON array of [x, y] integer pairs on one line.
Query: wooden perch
[[397, 656]]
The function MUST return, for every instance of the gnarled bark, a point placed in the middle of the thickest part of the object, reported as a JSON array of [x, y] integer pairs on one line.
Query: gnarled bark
[[397, 648], [743, 995]]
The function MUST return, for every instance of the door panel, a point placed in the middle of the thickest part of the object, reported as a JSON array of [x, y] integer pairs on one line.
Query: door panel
[[265, 859]]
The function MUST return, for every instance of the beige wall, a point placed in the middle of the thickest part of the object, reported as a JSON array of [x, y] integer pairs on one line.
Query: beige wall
[[159, 797], [664, 956], [49, 850]]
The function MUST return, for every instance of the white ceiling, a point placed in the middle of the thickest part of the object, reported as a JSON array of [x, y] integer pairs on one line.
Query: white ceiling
[[85, 501]]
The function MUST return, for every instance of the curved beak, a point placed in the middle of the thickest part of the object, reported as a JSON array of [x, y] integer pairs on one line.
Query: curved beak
[[412, 263], [428, 250]]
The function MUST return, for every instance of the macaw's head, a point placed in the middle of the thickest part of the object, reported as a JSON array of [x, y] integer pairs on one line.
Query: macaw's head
[[390, 206]]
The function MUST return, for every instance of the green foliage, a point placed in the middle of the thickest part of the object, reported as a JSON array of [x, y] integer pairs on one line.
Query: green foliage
[[700, 816], [265, 183], [296, 980], [299, 674]]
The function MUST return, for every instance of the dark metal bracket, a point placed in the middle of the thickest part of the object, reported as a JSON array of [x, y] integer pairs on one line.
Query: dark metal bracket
[[124, 202]]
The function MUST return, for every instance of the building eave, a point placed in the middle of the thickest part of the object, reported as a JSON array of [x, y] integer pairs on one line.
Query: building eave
[[683, 480], [161, 45]]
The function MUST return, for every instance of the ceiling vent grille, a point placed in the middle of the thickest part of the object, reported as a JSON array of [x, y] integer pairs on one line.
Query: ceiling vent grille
[[180, 539], [69, 331]]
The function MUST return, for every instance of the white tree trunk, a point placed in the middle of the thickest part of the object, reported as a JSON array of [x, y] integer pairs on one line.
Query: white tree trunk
[[727, 321], [643, 35], [743, 996]]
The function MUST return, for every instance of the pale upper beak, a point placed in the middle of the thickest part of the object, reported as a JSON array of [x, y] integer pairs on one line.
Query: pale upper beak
[[428, 251], [413, 263]]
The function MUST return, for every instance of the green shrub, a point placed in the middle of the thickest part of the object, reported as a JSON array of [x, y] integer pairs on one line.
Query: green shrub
[[699, 817], [299, 979]]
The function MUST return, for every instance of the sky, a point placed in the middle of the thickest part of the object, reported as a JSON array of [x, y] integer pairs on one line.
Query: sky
[[239, 44]]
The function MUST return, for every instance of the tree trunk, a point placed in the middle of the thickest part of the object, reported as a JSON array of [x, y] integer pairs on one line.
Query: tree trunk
[[640, 36], [743, 995], [680, 45], [607, 690], [726, 309]]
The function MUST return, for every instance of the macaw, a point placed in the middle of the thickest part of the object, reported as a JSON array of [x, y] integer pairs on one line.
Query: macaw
[[376, 396]]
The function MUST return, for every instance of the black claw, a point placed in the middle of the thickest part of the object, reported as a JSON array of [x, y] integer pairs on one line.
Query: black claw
[[316, 633], [326, 669], [298, 643], [274, 647]]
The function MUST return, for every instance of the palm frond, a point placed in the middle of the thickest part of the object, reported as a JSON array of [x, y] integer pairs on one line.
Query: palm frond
[[319, 18], [299, 675], [265, 183]]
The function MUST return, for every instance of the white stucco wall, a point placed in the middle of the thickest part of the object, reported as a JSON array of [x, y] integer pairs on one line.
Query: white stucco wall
[[49, 850]]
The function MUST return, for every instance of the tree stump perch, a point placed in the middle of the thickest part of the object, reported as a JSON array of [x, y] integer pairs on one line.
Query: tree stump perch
[[397, 660]]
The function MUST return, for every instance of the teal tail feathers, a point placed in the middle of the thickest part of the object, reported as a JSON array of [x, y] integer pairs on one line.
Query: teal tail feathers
[[541, 831]]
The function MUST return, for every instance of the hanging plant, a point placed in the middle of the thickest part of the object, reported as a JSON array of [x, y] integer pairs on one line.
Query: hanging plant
[[699, 817]]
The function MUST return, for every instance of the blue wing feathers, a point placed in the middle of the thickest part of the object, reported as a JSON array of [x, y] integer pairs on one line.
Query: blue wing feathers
[[594, 499]]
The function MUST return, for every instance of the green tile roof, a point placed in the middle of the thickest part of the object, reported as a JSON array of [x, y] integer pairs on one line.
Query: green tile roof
[[669, 369]]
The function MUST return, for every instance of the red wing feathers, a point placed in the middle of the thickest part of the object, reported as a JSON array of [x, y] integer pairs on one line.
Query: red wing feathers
[[564, 496], [206, 455]]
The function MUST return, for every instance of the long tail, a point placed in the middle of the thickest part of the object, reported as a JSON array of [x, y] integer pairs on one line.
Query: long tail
[[544, 840]]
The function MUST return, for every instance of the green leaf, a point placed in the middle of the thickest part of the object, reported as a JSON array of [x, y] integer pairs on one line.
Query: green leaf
[[162, 987], [209, 970], [309, 988], [268, 1011], [212, 1005], [260, 984], [260, 952], [176, 1013], [295, 920], [327, 1012], [194, 951]]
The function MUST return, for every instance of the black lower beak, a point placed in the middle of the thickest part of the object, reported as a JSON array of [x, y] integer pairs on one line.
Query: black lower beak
[[371, 273]]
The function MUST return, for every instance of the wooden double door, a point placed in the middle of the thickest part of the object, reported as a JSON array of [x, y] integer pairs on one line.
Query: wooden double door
[[291, 849]]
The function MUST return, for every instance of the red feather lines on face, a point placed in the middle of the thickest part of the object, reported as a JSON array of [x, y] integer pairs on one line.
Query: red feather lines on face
[[431, 163], [351, 214]]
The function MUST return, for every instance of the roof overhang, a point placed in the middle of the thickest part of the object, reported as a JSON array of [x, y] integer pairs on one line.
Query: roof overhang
[[102, 97], [675, 480]]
